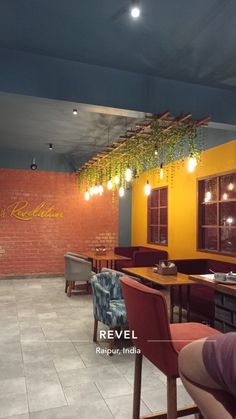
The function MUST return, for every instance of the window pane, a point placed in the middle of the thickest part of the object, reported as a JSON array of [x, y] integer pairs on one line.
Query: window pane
[[228, 187], [228, 214], [163, 197], [209, 214], [209, 190], [154, 198], [163, 216], [209, 238], [163, 235], [228, 240], [153, 234], [154, 216]]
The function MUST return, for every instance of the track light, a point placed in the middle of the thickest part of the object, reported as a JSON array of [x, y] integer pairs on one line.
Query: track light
[[33, 165], [135, 9], [75, 111]]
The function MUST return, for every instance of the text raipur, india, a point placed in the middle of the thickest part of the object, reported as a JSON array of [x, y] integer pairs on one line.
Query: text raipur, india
[[22, 211]]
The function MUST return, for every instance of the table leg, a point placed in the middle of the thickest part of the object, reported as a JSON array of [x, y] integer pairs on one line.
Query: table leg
[[171, 306], [180, 304], [188, 303]]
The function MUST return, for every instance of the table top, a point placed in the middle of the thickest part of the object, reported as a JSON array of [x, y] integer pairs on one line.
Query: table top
[[107, 256], [164, 280], [226, 289]]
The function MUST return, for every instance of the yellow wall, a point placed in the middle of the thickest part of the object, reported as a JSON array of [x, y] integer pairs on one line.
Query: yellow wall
[[182, 203]]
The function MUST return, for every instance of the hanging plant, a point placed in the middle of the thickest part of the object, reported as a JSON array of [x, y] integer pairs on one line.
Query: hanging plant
[[162, 142]]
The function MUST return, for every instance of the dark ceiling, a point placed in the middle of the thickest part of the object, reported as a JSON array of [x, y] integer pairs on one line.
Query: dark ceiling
[[184, 40]]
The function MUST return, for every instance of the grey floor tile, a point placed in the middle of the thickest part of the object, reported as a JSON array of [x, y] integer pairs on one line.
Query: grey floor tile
[[114, 387], [70, 362], [10, 408], [121, 407], [98, 409], [12, 386], [44, 392], [82, 394]]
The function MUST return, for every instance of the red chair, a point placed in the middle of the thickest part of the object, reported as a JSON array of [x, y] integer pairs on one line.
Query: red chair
[[158, 341]]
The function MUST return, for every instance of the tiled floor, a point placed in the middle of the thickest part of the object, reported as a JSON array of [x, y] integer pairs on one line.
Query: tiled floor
[[48, 365]]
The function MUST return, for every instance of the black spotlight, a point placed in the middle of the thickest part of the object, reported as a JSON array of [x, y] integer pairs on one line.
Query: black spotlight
[[33, 166], [50, 146]]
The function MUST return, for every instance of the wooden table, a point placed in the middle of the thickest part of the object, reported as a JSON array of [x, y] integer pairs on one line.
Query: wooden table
[[109, 258], [168, 281], [225, 303]]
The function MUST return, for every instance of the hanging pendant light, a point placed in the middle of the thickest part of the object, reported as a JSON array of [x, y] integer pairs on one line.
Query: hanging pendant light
[[161, 171], [116, 180], [147, 189], [86, 196], [100, 189], [91, 191], [96, 190], [192, 164], [121, 191], [109, 185], [128, 174]]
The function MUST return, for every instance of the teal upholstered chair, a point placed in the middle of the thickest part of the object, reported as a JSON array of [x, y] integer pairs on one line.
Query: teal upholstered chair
[[108, 302]]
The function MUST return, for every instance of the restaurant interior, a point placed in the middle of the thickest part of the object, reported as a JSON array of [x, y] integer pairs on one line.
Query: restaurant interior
[[117, 203]]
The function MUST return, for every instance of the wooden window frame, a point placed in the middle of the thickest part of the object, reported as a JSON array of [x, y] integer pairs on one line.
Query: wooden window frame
[[218, 225], [158, 225]]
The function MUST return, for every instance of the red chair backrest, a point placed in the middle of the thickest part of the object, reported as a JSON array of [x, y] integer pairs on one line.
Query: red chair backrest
[[148, 319]]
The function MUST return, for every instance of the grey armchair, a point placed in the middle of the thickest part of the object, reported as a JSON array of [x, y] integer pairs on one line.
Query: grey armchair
[[77, 270]]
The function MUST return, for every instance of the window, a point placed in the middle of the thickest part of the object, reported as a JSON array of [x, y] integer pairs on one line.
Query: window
[[158, 216], [217, 214]]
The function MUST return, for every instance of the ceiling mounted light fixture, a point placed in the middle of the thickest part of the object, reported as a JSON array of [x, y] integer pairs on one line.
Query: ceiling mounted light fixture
[[33, 165], [75, 111], [135, 9]]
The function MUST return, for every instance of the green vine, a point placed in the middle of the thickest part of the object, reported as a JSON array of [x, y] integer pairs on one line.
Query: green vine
[[163, 145]]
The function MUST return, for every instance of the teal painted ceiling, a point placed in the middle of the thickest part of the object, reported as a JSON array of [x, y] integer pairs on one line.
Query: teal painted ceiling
[[188, 40]]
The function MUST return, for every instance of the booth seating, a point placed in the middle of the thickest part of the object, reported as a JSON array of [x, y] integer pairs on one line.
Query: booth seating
[[139, 255], [201, 297], [159, 341]]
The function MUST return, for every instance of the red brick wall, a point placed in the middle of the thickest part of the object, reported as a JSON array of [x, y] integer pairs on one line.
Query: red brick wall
[[38, 245]]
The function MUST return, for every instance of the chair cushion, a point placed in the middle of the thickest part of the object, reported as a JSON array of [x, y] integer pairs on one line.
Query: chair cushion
[[184, 333], [116, 315]]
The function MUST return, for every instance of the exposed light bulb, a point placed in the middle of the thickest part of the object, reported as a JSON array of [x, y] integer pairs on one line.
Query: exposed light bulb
[[208, 195], [75, 112], [192, 163], [116, 180], [225, 196], [100, 189], [96, 190], [121, 191], [147, 189], [86, 196], [229, 220], [109, 185], [161, 171], [91, 191], [128, 174], [135, 12], [231, 186], [155, 153]]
